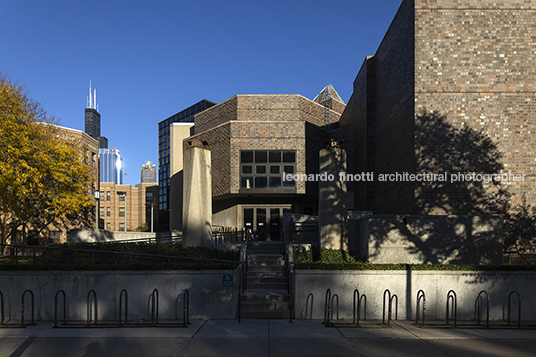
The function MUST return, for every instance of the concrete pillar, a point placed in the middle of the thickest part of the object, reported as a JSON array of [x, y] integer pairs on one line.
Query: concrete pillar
[[332, 213], [197, 202]]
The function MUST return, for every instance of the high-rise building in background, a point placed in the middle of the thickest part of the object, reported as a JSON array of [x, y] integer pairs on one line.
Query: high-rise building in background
[[185, 116], [148, 172], [93, 119], [111, 166]]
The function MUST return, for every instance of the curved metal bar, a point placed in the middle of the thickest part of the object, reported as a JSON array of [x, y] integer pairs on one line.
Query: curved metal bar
[[357, 304], [396, 307], [22, 307], [389, 307], [451, 296], [479, 307], [420, 296], [364, 297], [518, 308], [95, 309], [186, 307], [335, 296], [327, 307], [154, 306], [56, 308], [125, 293]]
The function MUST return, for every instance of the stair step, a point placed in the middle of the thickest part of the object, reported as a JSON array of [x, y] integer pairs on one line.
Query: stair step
[[265, 314], [266, 280], [264, 305], [266, 285]]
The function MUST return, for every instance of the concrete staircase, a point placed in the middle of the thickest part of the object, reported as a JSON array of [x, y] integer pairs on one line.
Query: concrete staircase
[[265, 296]]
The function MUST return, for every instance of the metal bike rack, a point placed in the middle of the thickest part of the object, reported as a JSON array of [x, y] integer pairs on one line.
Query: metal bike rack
[[22, 308], [121, 294], [518, 308], [420, 297], [357, 306], [451, 296], [479, 307], [390, 304], [56, 308], [327, 307], [154, 306], [95, 308]]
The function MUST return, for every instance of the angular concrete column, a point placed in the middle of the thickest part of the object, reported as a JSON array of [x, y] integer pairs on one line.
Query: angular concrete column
[[197, 201], [332, 213]]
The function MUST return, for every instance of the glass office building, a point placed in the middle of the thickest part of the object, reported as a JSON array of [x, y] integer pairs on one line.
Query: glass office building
[[185, 116], [111, 166]]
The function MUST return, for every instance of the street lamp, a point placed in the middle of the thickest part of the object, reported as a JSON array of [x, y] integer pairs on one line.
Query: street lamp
[[124, 193]]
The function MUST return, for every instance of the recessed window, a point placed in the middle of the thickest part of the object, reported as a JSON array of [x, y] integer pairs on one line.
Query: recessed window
[[261, 169]]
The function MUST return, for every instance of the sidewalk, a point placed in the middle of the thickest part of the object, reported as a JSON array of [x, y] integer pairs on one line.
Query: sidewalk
[[265, 338]]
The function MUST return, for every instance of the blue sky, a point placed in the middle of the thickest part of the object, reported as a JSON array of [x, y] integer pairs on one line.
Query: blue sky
[[150, 59]]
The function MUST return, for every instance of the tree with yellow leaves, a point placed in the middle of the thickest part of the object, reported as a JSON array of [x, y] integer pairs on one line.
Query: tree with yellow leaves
[[43, 180]]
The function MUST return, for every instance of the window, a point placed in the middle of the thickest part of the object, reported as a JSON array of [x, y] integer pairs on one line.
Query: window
[[108, 212], [101, 211], [263, 169], [122, 198], [121, 226], [107, 195], [108, 226], [121, 211]]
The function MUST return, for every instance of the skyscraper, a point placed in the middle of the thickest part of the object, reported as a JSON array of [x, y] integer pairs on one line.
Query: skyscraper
[[148, 172], [111, 166], [93, 119]]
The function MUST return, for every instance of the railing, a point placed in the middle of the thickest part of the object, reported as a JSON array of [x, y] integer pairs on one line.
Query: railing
[[420, 297], [478, 304], [518, 308], [234, 236], [451, 296]]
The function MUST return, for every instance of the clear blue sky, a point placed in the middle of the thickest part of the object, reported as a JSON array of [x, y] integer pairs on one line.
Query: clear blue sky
[[151, 59]]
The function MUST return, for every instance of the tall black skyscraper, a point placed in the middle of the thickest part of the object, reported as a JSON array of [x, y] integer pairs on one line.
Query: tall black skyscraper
[[93, 119]]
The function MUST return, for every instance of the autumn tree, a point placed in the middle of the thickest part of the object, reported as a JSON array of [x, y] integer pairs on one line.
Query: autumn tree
[[43, 180]]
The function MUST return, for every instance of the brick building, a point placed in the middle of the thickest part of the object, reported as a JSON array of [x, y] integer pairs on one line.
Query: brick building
[[253, 140], [450, 89]]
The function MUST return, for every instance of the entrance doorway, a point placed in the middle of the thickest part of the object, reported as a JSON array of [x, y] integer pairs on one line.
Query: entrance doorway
[[266, 222]]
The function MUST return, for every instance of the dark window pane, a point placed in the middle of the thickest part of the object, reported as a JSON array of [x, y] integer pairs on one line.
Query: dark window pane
[[247, 169], [261, 182], [289, 156], [274, 169], [275, 156], [275, 182], [261, 156], [288, 169], [289, 184], [261, 169], [246, 182], [246, 156]]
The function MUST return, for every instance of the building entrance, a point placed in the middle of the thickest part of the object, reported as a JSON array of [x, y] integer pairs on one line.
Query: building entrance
[[266, 222]]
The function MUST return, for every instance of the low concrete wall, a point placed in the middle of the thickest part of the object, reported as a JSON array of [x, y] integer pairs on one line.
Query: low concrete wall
[[208, 297], [311, 291], [416, 239], [100, 235]]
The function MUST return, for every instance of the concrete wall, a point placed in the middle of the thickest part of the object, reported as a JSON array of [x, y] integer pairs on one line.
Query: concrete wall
[[429, 239], [311, 288], [99, 235], [208, 297]]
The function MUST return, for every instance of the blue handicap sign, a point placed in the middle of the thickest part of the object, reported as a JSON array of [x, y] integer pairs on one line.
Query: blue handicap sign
[[227, 281]]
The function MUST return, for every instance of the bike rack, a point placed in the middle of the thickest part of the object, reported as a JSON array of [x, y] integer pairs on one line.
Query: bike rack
[[357, 306], [95, 309], [121, 294], [479, 307], [420, 296], [518, 308], [451, 296], [154, 306], [186, 307], [327, 307], [22, 308], [56, 308], [390, 304]]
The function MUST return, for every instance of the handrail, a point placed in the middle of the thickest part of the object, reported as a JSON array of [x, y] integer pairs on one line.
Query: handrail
[[154, 306], [451, 296], [95, 307], [389, 307], [518, 308], [479, 307], [2, 308], [56, 308], [327, 307], [357, 303], [125, 293], [420, 296], [22, 308]]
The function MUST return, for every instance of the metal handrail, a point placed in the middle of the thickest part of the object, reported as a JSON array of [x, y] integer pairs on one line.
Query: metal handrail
[[22, 308], [95, 307], [479, 307], [56, 308], [154, 306], [451, 296], [518, 308], [420, 296], [327, 307], [125, 293]]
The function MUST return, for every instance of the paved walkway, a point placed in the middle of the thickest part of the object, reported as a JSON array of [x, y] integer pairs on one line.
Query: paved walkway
[[265, 338]]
